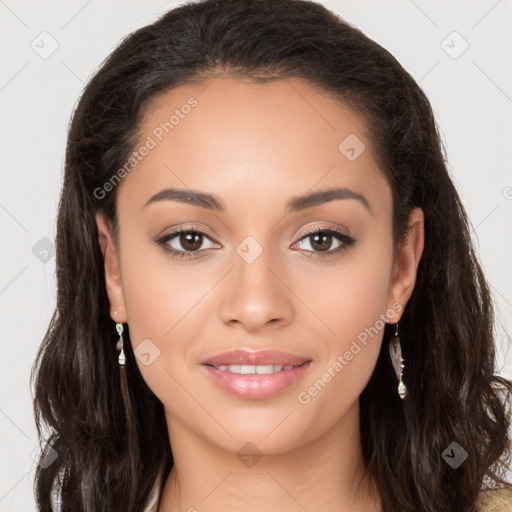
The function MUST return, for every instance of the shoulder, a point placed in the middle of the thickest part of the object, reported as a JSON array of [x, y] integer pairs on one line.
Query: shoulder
[[496, 500], [153, 505], [154, 498], [153, 502]]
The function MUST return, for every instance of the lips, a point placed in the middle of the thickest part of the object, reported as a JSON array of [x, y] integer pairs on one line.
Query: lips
[[262, 358], [255, 375]]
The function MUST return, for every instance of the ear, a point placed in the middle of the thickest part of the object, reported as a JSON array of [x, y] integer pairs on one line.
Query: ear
[[112, 270], [405, 266]]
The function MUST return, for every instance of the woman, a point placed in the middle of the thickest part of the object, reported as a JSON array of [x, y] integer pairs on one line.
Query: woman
[[256, 212]]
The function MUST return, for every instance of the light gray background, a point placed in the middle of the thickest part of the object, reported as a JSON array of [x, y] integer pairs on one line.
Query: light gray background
[[471, 96]]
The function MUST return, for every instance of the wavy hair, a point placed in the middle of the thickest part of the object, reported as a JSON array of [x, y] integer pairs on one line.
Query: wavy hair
[[111, 443]]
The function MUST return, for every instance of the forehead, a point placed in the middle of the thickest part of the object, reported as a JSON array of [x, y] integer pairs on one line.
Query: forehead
[[247, 141]]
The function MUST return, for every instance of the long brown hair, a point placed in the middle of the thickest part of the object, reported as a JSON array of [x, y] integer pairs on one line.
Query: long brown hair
[[109, 455]]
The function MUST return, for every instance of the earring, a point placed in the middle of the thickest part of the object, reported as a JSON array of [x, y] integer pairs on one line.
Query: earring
[[395, 351], [122, 372], [119, 346]]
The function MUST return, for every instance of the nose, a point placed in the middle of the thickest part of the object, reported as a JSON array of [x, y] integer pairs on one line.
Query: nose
[[255, 296]]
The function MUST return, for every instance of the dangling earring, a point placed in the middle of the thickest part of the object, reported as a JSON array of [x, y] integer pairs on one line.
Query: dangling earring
[[119, 346], [395, 351], [122, 370]]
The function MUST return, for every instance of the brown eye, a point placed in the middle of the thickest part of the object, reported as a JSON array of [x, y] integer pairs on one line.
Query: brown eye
[[321, 241], [191, 241], [184, 243]]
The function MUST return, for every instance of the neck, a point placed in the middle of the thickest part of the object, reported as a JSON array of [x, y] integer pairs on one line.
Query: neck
[[325, 474]]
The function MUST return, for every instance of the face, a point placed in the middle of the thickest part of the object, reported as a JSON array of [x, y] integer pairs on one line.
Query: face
[[256, 268]]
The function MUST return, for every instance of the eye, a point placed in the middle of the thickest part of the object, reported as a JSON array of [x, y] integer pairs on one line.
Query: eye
[[190, 240], [321, 240]]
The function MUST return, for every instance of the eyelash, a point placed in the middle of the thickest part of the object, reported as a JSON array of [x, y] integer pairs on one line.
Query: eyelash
[[342, 237]]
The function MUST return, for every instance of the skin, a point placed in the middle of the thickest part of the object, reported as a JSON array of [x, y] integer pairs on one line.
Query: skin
[[256, 146]]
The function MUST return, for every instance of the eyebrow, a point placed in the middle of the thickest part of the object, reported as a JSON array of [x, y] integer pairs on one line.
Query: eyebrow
[[295, 204]]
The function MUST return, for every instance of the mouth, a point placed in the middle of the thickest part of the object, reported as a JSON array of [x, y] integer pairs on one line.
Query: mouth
[[263, 358], [246, 369], [255, 375]]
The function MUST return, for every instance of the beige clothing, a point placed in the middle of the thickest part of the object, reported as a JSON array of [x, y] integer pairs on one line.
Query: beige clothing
[[499, 500]]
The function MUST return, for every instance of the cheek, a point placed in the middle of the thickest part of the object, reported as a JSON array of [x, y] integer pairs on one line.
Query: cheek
[[362, 294], [158, 291], [164, 303], [351, 299], [350, 296], [365, 300]]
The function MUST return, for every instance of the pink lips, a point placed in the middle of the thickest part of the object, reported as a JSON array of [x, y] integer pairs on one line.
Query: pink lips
[[256, 386], [257, 358]]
